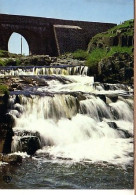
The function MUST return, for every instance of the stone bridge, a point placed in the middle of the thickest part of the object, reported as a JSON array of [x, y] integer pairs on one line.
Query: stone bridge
[[47, 35]]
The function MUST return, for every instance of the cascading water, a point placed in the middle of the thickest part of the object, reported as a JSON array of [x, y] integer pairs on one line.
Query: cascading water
[[76, 120], [46, 70]]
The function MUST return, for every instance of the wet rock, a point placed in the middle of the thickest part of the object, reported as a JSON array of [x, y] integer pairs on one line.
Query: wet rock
[[6, 134], [106, 86], [80, 97], [102, 97], [29, 144], [11, 158], [19, 87], [112, 125], [129, 72], [17, 99], [9, 120], [114, 113], [125, 133], [113, 98], [14, 85]]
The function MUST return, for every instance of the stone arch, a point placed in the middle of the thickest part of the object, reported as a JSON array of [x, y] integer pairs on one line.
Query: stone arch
[[34, 39], [17, 35], [30, 37]]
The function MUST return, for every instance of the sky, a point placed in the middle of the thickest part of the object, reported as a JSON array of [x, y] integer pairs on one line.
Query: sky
[[109, 11]]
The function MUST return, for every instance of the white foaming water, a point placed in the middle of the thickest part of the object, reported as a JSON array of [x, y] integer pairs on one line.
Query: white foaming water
[[74, 128], [95, 108], [72, 83], [123, 110], [73, 122], [81, 139]]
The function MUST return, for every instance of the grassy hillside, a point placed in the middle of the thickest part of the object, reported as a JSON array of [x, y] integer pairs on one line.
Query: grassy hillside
[[110, 54]]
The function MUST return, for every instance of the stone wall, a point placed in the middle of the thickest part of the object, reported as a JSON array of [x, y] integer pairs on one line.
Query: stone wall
[[69, 38]]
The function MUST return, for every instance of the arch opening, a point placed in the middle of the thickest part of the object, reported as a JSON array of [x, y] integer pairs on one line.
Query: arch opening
[[17, 44]]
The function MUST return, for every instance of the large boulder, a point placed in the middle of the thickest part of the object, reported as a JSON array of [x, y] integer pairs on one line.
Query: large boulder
[[29, 144]]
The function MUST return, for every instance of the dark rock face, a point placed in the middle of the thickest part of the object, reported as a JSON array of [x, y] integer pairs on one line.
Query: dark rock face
[[11, 158], [6, 124], [116, 69], [6, 134], [29, 144], [113, 98], [102, 97]]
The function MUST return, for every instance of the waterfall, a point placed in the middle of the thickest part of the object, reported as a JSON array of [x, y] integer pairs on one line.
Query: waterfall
[[81, 125], [69, 116]]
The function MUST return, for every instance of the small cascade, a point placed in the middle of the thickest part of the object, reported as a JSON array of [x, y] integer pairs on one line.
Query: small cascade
[[44, 70], [95, 108], [56, 107]]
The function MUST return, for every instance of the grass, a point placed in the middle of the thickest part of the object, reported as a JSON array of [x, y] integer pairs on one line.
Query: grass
[[125, 24], [128, 25], [120, 49], [80, 55], [97, 54], [3, 88]]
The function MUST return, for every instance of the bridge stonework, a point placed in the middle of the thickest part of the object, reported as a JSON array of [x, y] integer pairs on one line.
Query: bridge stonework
[[47, 35]]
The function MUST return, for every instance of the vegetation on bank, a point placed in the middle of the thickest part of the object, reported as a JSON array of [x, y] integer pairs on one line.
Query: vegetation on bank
[[3, 88], [97, 54], [110, 54], [125, 29]]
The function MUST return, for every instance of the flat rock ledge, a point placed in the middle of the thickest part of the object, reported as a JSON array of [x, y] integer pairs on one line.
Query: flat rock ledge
[[11, 158]]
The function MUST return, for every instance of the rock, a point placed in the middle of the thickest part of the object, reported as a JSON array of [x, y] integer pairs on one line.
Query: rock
[[19, 87], [9, 120], [17, 99], [11, 158], [125, 133], [29, 144], [6, 134], [102, 97], [106, 86], [114, 113], [113, 98], [14, 85], [130, 41], [129, 72], [1, 156], [112, 125]]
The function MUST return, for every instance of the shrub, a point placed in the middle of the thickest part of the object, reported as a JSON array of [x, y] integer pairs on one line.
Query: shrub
[[4, 54], [2, 62]]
